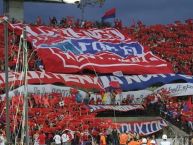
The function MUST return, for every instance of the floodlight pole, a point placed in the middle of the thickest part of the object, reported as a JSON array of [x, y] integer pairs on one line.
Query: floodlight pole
[[82, 7], [6, 9], [6, 81], [25, 85], [25, 128]]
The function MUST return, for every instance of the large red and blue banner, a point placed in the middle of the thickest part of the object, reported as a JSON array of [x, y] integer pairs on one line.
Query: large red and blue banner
[[99, 50], [102, 63]]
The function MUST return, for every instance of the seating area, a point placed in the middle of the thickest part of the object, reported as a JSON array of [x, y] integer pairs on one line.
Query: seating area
[[176, 110], [172, 42], [50, 114]]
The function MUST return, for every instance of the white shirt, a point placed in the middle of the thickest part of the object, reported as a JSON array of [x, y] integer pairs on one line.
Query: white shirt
[[165, 143], [2, 140], [57, 139], [36, 140], [118, 99], [93, 96], [65, 137]]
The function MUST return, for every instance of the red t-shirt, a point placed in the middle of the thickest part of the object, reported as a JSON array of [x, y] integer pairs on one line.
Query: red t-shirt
[[42, 139]]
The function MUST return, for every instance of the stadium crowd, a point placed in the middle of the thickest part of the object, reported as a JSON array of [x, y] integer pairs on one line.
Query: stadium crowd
[[57, 118], [172, 42], [177, 110]]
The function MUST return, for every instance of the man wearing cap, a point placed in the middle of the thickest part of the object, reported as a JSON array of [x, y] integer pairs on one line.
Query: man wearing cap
[[164, 140], [144, 141]]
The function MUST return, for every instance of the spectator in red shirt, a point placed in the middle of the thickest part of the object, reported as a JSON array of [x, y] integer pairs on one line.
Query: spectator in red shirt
[[42, 138]]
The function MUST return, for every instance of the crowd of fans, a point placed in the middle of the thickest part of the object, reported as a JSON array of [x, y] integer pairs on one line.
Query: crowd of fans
[[72, 23], [177, 110], [113, 97], [55, 118], [172, 42], [50, 120], [52, 116]]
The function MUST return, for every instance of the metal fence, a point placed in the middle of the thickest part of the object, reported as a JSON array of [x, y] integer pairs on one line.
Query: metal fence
[[181, 141], [177, 140]]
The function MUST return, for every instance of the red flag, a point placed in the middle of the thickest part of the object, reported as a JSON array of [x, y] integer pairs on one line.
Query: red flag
[[109, 14]]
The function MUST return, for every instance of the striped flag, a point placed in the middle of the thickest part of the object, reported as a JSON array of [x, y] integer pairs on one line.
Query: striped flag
[[109, 14]]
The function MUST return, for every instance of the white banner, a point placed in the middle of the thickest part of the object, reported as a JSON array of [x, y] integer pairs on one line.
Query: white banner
[[177, 89], [100, 108], [42, 89], [136, 97]]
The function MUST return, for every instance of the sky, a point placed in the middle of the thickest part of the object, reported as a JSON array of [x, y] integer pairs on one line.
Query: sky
[[148, 11]]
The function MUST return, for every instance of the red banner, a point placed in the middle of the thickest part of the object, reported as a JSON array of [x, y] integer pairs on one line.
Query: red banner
[[49, 35], [104, 62], [62, 46], [35, 77]]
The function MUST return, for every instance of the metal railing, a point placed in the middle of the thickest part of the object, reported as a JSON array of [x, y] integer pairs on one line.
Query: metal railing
[[181, 140]]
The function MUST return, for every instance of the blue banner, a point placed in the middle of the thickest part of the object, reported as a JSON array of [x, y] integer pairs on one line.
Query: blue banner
[[139, 82], [83, 46], [143, 128]]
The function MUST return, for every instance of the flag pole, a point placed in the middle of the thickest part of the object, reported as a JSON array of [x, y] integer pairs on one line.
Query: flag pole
[[115, 18], [25, 128], [6, 9], [25, 85], [82, 6], [6, 81]]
